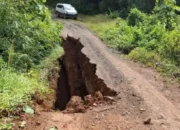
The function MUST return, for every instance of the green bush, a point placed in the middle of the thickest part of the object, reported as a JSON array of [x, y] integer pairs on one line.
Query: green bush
[[125, 42], [2, 64], [165, 12], [142, 55], [171, 47], [16, 89], [27, 33], [136, 17], [169, 68], [114, 14]]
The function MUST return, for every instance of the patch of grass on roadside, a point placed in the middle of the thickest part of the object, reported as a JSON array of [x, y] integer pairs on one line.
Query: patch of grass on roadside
[[145, 57], [17, 89]]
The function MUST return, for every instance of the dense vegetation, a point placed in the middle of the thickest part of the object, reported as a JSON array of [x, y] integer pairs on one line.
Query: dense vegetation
[[100, 6], [120, 7], [153, 39], [27, 37]]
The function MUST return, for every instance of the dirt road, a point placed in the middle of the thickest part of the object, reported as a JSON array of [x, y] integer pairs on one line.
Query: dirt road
[[141, 94]]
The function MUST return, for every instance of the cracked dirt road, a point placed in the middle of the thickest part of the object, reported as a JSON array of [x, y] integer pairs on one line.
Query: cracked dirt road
[[121, 77], [141, 93]]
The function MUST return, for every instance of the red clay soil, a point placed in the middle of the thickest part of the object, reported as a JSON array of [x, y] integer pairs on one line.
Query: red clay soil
[[144, 100]]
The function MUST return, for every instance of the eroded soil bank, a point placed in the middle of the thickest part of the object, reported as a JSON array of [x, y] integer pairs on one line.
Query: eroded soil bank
[[78, 75]]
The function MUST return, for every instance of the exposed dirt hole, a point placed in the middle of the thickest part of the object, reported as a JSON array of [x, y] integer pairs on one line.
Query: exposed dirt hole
[[62, 92], [77, 76]]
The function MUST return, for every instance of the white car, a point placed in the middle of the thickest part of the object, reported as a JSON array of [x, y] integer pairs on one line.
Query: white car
[[66, 10]]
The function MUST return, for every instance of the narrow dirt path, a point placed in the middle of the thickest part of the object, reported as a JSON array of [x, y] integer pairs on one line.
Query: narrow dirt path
[[139, 94]]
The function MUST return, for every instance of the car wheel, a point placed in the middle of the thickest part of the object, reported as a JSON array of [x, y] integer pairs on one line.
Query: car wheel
[[57, 14], [64, 16]]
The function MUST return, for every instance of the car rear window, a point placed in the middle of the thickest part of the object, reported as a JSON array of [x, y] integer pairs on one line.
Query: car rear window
[[59, 6]]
